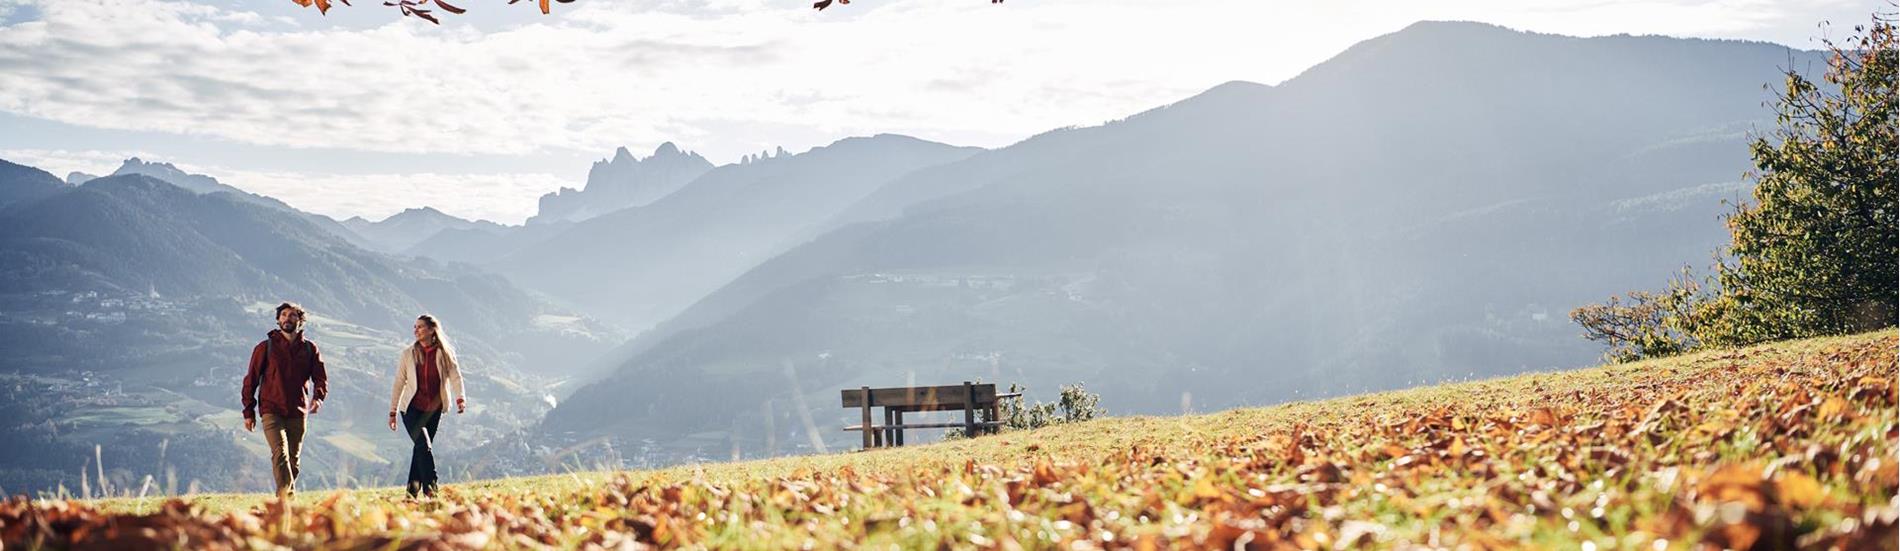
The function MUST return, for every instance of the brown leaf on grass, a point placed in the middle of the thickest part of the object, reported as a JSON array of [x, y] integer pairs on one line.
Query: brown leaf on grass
[[1544, 416], [1045, 472], [1456, 448]]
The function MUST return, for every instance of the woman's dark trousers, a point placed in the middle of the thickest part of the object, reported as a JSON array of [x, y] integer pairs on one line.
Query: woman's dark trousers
[[421, 426]]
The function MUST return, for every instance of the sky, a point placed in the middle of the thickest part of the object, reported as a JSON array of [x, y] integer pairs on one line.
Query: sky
[[363, 112]]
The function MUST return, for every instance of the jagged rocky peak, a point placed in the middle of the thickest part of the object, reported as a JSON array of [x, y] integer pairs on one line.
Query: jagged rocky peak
[[624, 162], [135, 164], [624, 181], [197, 183], [776, 152]]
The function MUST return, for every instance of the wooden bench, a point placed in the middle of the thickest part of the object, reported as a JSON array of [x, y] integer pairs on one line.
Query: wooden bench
[[967, 397]]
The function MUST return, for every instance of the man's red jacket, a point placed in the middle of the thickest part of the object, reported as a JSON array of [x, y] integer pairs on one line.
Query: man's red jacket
[[279, 368]]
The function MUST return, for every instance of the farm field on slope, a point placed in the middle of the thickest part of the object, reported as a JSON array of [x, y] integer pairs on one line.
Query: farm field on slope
[[1785, 445]]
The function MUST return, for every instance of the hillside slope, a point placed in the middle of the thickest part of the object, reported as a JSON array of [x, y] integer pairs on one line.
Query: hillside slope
[[1788, 445]]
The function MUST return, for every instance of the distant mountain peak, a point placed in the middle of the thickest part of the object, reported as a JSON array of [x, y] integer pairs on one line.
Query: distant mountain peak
[[667, 152], [624, 156], [24, 183], [423, 214], [424, 210], [134, 163], [624, 181], [197, 183], [1432, 25], [883, 140], [1238, 86], [400, 231]]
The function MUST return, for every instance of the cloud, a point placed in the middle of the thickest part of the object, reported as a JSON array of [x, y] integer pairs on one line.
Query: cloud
[[724, 77]]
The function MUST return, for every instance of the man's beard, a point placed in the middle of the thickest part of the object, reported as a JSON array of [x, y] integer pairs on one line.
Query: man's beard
[[291, 327]]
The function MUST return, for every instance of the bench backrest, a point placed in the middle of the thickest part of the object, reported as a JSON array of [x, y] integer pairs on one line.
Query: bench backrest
[[924, 398]]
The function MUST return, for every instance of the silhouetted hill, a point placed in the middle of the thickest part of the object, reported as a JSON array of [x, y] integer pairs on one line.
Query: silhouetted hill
[[199, 183], [20, 183], [402, 231]]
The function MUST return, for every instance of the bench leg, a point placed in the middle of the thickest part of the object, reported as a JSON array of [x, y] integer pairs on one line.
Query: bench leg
[[877, 438], [889, 434], [866, 409], [900, 429], [969, 410]]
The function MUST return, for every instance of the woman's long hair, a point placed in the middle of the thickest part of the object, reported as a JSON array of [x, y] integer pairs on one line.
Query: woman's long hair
[[441, 337]]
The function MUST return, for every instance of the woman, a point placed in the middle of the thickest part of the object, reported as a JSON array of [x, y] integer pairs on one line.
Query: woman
[[425, 374]]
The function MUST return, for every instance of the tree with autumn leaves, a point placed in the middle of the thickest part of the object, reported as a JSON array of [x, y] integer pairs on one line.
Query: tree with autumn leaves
[[1815, 251]]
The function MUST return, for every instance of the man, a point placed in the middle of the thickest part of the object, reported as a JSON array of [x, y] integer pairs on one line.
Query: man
[[274, 388]]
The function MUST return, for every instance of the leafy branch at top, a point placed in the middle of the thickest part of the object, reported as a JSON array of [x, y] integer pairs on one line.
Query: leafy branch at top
[[822, 4], [421, 8]]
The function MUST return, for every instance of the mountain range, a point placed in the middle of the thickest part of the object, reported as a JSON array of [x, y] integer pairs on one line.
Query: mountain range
[[1427, 205]]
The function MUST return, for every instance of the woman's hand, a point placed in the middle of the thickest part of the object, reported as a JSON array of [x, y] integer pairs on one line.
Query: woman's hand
[[392, 420], [461, 405]]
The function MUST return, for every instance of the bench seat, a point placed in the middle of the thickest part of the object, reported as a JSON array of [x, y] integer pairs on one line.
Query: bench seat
[[985, 424]]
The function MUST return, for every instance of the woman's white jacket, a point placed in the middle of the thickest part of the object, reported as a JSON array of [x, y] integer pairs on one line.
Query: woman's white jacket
[[448, 371]]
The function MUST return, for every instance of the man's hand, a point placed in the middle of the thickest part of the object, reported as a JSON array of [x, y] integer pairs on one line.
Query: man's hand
[[314, 404], [250, 424], [392, 420], [461, 405]]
